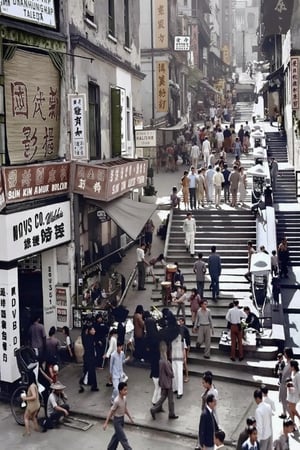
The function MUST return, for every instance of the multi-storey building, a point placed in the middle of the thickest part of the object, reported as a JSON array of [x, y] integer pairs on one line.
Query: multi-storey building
[[71, 87]]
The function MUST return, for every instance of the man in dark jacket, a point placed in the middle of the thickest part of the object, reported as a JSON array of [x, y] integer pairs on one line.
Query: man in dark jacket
[[214, 268], [208, 424]]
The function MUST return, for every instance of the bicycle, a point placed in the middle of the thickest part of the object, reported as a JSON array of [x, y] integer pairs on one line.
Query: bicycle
[[27, 361]]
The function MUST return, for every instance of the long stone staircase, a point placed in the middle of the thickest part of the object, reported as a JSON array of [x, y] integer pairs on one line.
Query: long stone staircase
[[229, 230], [288, 225]]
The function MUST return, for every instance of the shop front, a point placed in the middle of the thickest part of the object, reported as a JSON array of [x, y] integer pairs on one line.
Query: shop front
[[35, 274], [106, 221]]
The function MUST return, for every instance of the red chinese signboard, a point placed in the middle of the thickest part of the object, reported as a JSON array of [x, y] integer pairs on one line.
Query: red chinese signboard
[[109, 180], [35, 181], [295, 82]]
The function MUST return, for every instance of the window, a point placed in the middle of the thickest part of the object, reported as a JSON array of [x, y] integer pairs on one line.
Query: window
[[116, 122], [90, 10], [94, 121], [111, 17], [126, 23]]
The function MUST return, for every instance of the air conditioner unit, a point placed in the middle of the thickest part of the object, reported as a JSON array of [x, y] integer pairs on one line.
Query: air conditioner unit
[[90, 7]]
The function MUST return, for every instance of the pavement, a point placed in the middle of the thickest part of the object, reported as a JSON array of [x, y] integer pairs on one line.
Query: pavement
[[235, 402]]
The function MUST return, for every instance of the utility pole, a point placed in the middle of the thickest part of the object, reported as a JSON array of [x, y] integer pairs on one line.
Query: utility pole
[[244, 52]]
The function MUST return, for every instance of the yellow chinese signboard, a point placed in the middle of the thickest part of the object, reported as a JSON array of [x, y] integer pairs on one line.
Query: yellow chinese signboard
[[161, 23], [32, 103], [162, 86]]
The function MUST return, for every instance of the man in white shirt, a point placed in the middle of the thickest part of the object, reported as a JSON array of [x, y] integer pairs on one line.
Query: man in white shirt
[[140, 256], [209, 178], [192, 187], [218, 180], [263, 416], [234, 317], [195, 155], [189, 228], [206, 149]]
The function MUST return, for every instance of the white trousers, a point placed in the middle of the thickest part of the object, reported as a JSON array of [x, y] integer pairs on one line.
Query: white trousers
[[157, 390], [177, 367], [190, 241]]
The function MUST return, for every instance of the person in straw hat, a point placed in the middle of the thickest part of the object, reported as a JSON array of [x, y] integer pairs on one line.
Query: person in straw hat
[[56, 406]]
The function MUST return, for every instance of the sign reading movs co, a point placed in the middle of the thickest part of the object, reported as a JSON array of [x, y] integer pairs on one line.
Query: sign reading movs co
[[41, 12], [35, 181], [109, 180], [32, 107], [34, 230]]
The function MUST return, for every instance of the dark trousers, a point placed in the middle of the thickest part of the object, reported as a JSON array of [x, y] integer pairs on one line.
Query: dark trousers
[[200, 288], [53, 419], [236, 337], [141, 274], [165, 394], [119, 435], [192, 192], [214, 286]]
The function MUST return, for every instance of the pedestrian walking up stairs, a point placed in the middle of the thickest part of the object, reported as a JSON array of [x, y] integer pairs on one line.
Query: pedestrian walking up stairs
[[229, 230]]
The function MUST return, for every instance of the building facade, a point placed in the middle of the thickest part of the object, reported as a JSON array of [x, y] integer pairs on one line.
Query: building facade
[[71, 89]]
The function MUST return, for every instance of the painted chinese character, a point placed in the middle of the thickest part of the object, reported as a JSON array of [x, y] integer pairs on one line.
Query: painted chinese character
[[52, 175], [19, 99], [46, 234], [59, 230], [48, 145], [26, 177], [91, 174], [53, 104], [38, 101], [97, 187], [100, 175], [40, 175], [27, 243], [35, 240], [81, 183], [29, 142], [63, 173], [12, 178], [280, 6]]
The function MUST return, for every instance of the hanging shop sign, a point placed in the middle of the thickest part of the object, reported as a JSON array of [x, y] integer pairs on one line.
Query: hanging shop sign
[[77, 106], [2, 195], [10, 332], [109, 180], [35, 181], [161, 23], [32, 105], [145, 138], [295, 82], [34, 230], [162, 86], [40, 12], [182, 43]]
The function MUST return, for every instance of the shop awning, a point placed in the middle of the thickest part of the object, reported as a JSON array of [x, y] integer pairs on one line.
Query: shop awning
[[209, 87], [277, 73], [179, 126], [130, 215]]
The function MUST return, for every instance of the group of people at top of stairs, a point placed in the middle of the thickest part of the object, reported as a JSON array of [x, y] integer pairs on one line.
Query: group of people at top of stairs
[[209, 143]]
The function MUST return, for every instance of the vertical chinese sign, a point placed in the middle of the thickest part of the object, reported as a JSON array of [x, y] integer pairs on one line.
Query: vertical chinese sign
[[32, 103], [77, 105], [162, 86], [10, 333], [295, 82], [161, 24]]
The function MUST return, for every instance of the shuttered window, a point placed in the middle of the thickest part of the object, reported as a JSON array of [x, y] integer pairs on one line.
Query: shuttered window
[[116, 121], [94, 122]]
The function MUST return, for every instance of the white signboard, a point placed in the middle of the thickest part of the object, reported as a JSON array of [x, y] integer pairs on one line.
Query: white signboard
[[9, 333], [182, 43], [41, 12], [77, 106], [34, 230], [145, 138]]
